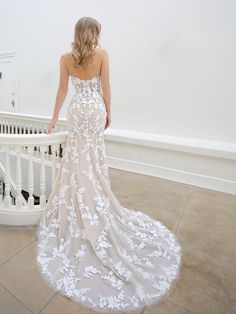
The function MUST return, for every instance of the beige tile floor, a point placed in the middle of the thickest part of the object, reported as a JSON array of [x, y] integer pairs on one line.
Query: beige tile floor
[[203, 220]]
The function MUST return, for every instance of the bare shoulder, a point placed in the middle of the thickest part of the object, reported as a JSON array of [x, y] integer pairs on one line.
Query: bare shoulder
[[103, 52], [66, 56]]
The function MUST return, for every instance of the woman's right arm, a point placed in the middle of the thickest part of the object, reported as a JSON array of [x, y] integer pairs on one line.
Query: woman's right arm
[[105, 83]]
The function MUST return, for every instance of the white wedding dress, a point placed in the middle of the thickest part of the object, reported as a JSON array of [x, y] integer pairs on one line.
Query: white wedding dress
[[90, 248]]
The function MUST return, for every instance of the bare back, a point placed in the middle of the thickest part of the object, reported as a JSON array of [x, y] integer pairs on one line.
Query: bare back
[[93, 69], [98, 67]]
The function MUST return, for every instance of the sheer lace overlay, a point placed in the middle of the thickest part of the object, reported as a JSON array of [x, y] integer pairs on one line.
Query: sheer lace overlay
[[90, 248]]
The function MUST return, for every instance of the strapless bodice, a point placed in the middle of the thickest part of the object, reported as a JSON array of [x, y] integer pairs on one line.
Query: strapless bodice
[[86, 86], [86, 103]]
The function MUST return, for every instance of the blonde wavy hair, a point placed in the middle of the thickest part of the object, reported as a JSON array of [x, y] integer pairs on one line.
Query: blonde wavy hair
[[86, 34]]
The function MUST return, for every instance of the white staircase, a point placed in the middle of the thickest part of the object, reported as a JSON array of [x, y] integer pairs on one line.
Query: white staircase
[[29, 161]]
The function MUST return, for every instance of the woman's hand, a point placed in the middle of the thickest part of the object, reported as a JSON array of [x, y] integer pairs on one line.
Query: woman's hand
[[108, 120], [52, 124]]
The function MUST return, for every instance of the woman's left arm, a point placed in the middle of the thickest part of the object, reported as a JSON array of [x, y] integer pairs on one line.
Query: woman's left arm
[[61, 92]]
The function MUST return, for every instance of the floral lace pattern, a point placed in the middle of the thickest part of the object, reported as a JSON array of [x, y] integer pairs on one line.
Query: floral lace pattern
[[90, 248]]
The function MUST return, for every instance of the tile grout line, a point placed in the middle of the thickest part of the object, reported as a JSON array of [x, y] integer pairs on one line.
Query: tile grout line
[[168, 298], [184, 211], [12, 293], [188, 247], [198, 294], [190, 311], [45, 305], [222, 228], [17, 253], [15, 297], [204, 194]]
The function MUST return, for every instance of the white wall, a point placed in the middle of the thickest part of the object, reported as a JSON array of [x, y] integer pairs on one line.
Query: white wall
[[172, 62]]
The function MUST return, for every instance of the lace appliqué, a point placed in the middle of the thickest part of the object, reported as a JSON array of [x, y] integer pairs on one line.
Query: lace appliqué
[[90, 248]]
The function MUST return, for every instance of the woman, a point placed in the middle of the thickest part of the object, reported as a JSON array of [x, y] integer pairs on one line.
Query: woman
[[90, 248]]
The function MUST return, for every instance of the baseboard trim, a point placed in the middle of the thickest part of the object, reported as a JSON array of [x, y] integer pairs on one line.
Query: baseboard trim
[[189, 145], [206, 164], [207, 182]]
